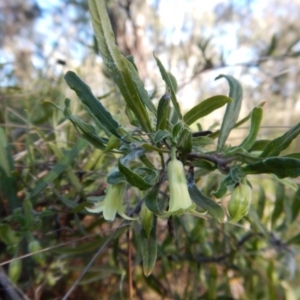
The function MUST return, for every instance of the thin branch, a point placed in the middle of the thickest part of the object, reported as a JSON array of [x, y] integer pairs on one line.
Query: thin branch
[[254, 63], [129, 257]]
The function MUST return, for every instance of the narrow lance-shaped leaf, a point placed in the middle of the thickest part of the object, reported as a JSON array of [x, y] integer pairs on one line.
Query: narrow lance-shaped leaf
[[205, 107], [280, 166], [279, 203], [214, 209], [232, 110], [296, 205], [238, 124], [133, 178], [86, 131], [169, 82], [148, 251], [279, 144], [85, 94], [163, 112], [122, 71], [256, 117]]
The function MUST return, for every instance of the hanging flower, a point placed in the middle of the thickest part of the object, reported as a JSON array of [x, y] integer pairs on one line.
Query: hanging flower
[[112, 203], [180, 200], [240, 201]]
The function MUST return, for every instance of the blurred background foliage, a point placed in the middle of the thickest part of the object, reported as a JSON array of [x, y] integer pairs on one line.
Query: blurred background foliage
[[257, 42]]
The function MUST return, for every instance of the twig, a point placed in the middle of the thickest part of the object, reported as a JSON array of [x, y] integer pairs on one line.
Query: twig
[[129, 257], [101, 249]]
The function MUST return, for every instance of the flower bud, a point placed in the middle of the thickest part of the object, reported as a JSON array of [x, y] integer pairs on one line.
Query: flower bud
[[239, 203], [14, 270], [35, 246]]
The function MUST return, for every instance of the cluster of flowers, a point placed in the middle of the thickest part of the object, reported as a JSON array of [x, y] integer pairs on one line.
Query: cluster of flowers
[[180, 201]]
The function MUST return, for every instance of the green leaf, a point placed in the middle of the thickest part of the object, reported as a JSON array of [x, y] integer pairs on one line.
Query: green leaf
[[185, 143], [153, 148], [214, 209], [60, 167], [259, 145], [174, 81], [8, 236], [85, 94], [160, 135], [163, 112], [149, 174], [232, 110], [80, 249], [261, 202], [131, 116], [295, 240], [205, 107], [296, 205], [225, 183], [280, 166], [148, 250], [287, 182], [293, 155], [152, 199], [170, 84], [278, 207], [256, 117], [130, 58], [133, 178], [85, 130], [276, 146], [202, 141], [115, 178], [122, 71], [8, 182]]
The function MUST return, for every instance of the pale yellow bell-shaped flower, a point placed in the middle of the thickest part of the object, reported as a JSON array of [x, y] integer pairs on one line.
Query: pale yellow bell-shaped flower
[[180, 201], [179, 195], [112, 203]]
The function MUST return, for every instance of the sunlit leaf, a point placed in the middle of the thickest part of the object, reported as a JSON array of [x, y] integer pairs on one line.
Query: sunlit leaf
[[256, 117], [122, 71], [205, 107], [169, 82], [276, 146], [232, 110], [85, 94]]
